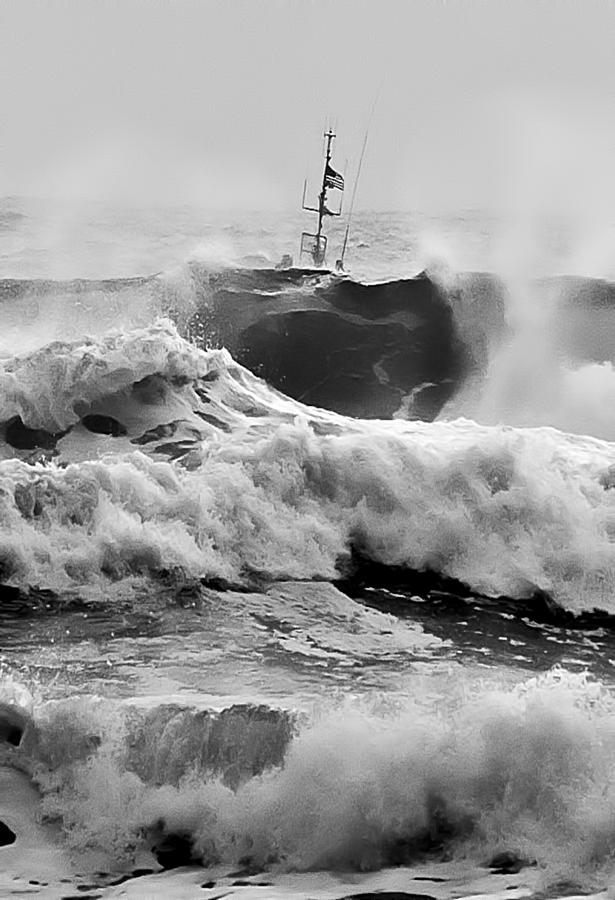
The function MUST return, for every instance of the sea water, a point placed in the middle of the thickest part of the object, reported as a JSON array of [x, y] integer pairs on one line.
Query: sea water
[[293, 640]]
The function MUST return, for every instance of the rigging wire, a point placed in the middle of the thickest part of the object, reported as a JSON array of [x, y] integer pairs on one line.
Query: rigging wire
[[356, 181]]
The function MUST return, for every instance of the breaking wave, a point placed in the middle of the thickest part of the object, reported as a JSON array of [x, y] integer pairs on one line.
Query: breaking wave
[[445, 343], [381, 348], [362, 784], [180, 458]]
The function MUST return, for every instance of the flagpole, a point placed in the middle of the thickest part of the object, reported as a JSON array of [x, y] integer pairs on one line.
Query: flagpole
[[329, 135]]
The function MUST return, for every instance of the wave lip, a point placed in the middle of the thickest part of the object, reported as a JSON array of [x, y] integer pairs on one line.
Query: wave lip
[[46, 387]]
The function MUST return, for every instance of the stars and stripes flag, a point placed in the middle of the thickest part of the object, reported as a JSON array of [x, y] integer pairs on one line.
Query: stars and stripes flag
[[333, 179]]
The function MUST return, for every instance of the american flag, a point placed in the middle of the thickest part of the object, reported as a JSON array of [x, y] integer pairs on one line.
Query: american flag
[[333, 179]]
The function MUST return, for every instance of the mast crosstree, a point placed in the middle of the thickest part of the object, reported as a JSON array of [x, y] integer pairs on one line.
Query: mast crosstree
[[315, 245]]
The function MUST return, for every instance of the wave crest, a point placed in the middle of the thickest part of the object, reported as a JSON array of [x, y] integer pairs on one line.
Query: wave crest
[[506, 511], [479, 771], [47, 387]]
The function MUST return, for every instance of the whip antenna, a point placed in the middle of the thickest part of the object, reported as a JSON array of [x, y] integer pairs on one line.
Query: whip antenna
[[356, 181]]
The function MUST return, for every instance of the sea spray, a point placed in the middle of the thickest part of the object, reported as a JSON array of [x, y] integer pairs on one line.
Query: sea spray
[[525, 769]]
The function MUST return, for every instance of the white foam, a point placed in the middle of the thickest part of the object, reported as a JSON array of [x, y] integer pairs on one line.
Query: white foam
[[278, 488], [481, 769], [44, 387]]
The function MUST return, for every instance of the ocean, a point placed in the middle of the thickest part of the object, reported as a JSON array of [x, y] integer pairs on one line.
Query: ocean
[[307, 582]]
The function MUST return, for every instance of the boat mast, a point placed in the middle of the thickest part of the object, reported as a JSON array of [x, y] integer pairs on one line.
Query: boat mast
[[322, 197], [315, 245]]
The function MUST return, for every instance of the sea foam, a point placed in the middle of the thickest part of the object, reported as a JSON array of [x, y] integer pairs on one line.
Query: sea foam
[[268, 486], [526, 769]]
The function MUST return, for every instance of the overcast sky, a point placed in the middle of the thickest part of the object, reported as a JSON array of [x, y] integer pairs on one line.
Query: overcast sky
[[222, 102]]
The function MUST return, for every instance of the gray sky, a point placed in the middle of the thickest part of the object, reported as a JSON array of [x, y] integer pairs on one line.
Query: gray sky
[[222, 102]]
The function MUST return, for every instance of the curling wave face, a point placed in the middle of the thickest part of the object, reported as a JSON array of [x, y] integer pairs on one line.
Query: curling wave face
[[362, 350], [471, 343], [170, 457]]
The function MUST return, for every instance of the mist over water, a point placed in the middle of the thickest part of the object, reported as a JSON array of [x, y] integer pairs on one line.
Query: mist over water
[[529, 377], [561, 223]]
